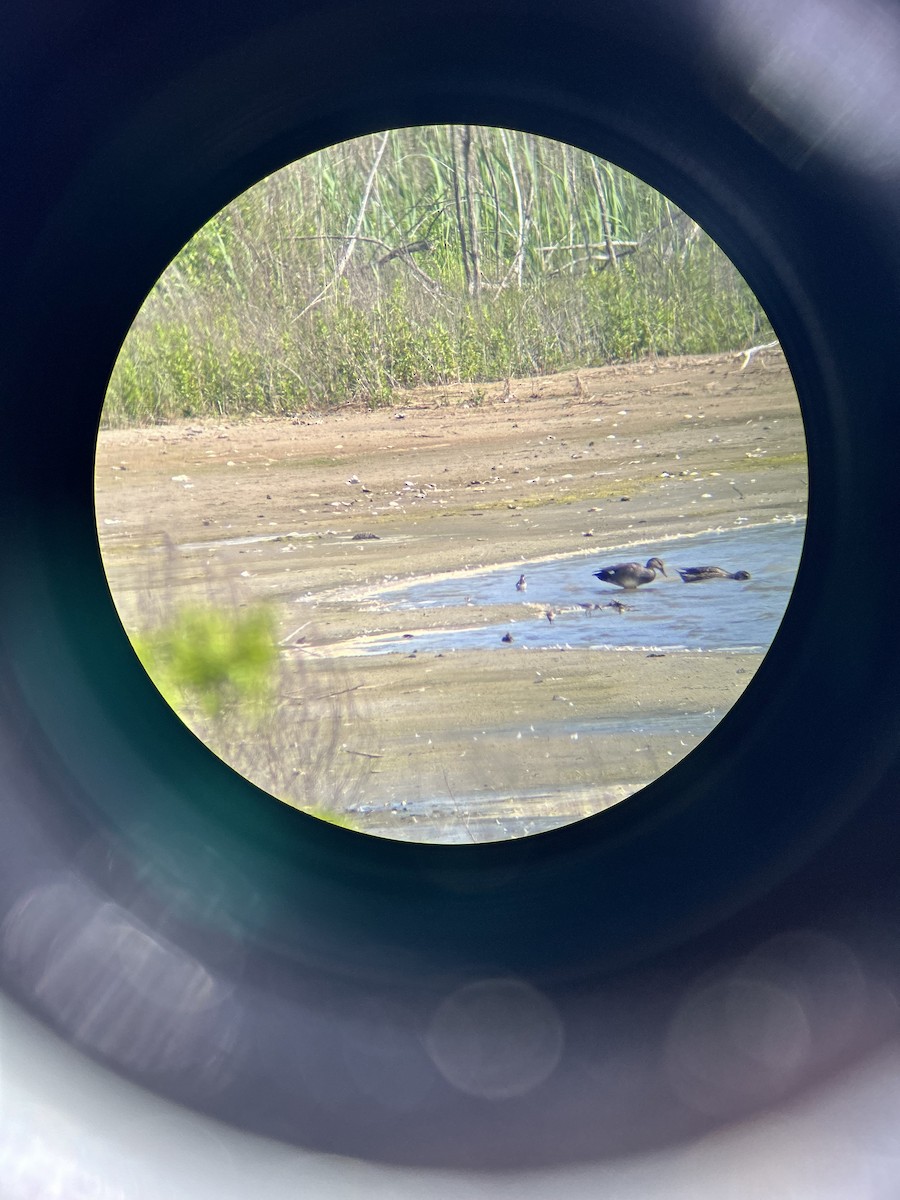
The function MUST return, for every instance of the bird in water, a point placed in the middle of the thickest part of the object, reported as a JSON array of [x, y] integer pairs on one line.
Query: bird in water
[[699, 574], [521, 585], [507, 637], [630, 575]]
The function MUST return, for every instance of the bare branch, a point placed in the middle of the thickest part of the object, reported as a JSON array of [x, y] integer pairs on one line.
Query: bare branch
[[346, 253], [474, 241], [604, 218], [523, 213], [620, 247], [337, 237], [464, 199], [747, 355], [458, 203], [404, 253]]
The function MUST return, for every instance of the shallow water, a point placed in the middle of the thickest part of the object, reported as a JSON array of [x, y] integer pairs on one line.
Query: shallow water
[[666, 615]]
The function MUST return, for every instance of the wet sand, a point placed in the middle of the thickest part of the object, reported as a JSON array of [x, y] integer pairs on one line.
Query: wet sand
[[475, 745], [319, 514]]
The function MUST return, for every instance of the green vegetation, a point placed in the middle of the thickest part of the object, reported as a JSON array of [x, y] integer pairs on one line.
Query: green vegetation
[[211, 661], [424, 256], [221, 670]]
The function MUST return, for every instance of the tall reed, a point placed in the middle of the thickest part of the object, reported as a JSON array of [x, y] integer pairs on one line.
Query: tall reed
[[424, 256]]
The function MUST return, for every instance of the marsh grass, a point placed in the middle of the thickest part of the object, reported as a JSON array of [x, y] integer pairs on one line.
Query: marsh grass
[[395, 261]]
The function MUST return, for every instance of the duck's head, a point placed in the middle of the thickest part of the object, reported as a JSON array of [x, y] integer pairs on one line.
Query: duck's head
[[741, 575], [655, 564]]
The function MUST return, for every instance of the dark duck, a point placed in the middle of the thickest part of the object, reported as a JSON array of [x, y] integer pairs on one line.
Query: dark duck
[[699, 574], [631, 575]]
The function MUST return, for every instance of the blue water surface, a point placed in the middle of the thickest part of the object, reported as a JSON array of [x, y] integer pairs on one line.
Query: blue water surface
[[666, 615]]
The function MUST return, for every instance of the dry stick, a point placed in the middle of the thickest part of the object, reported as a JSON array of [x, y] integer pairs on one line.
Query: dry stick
[[464, 813], [576, 207], [574, 263], [498, 212], [621, 247], [293, 633], [403, 253], [680, 219], [604, 218], [344, 691], [339, 237], [347, 252], [747, 355], [523, 213], [474, 243], [432, 285], [457, 200], [568, 184], [361, 753]]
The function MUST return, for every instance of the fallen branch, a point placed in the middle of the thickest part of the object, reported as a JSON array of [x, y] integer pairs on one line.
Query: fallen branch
[[344, 260], [604, 217], [403, 253], [343, 691], [361, 753], [747, 355], [293, 633]]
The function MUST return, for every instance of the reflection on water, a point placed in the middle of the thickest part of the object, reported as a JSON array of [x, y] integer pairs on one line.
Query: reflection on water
[[665, 615], [430, 743]]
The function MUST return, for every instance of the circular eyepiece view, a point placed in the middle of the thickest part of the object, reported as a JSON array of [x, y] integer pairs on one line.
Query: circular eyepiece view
[[451, 484]]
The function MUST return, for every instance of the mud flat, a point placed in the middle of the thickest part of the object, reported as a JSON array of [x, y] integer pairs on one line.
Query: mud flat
[[320, 513], [540, 738]]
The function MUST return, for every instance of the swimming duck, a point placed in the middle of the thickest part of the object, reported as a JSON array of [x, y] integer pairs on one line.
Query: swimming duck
[[630, 575], [698, 574], [521, 585]]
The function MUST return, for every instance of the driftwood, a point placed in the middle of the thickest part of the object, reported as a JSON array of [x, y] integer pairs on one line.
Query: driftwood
[[748, 355]]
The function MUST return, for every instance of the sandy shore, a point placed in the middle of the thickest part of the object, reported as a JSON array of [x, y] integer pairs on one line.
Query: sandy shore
[[319, 514], [477, 745]]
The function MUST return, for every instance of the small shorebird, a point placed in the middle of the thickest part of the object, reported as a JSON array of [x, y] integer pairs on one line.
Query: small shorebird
[[521, 585], [630, 575], [507, 637], [699, 574]]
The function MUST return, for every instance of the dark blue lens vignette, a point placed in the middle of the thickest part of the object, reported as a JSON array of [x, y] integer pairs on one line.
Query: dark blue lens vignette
[[714, 948]]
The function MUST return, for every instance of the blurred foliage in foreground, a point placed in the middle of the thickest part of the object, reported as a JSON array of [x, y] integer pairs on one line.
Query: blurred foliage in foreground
[[221, 671], [213, 661]]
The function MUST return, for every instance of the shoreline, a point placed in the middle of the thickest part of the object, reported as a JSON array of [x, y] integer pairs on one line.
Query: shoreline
[[575, 465], [520, 752], [346, 594]]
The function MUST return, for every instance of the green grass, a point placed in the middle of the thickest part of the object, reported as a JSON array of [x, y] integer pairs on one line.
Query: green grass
[[264, 311]]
